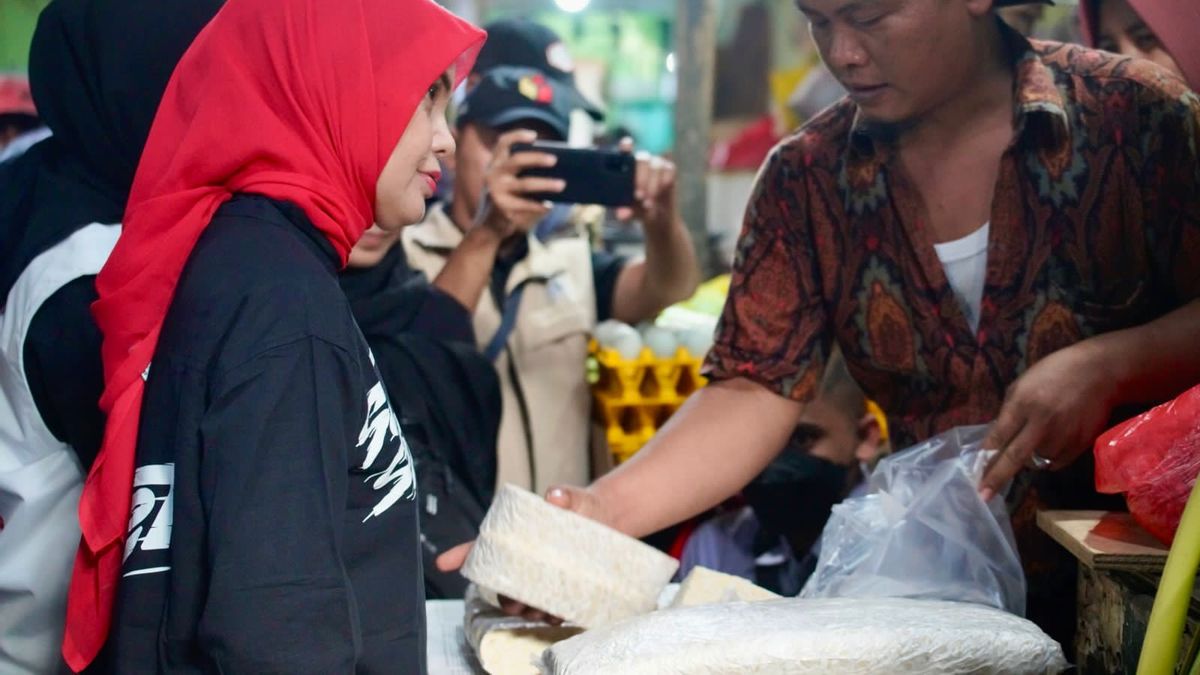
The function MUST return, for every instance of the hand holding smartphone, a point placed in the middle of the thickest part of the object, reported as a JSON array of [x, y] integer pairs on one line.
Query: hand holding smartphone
[[591, 175]]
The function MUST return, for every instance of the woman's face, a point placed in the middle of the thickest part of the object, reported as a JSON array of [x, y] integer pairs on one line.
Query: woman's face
[[412, 171], [1120, 30]]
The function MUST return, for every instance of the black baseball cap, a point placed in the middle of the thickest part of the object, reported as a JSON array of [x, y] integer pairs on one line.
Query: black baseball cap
[[508, 95], [520, 42]]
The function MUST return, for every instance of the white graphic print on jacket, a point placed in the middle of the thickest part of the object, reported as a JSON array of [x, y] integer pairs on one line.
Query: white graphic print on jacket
[[151, 514], [152, 504], [382, 431]]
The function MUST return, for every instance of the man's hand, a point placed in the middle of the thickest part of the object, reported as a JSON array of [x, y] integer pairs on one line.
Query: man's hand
[[670, 271], [504, 207], [579, 500], [654, 191], [1051, 415]]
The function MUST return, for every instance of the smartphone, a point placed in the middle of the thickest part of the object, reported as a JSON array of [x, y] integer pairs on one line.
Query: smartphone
[[592, 176]]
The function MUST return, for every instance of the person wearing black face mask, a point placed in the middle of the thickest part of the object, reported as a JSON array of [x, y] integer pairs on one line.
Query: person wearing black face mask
[[826, 460]]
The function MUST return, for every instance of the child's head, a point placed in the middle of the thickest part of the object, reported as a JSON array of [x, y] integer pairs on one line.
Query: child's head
[[839, 427]]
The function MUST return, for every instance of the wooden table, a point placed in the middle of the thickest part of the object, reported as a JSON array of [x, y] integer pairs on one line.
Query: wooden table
[[1119, 568]]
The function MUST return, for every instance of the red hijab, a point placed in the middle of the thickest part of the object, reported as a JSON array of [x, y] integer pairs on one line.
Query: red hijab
[[298, 100], [1175, 22]]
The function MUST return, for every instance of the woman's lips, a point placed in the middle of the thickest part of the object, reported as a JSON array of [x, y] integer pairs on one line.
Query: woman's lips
[[431, 180]]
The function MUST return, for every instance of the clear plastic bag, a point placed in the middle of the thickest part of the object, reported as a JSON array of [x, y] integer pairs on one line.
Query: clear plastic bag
[[924, 532]]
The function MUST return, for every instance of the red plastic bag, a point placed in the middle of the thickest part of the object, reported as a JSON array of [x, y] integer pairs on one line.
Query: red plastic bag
[[1154, 459]]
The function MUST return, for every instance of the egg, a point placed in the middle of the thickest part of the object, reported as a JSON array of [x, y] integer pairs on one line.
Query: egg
[[628, 345], [621, 337], [605, 331], [697, 341], [661, 341]]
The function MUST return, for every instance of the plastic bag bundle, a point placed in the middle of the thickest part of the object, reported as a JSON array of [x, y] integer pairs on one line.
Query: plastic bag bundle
[[1154, 459], [923, 532]]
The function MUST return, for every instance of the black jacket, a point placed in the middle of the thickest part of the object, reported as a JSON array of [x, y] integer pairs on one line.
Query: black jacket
[[274, 523], [446, 394]]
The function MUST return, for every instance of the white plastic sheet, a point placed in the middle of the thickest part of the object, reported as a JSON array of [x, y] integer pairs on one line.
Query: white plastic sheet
[[792, 636]]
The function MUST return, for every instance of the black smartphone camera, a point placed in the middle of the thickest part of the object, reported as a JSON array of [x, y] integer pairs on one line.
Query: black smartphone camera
[[592, 175]]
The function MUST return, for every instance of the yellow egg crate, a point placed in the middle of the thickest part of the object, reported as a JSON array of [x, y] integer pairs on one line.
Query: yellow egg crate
[[635, 397]]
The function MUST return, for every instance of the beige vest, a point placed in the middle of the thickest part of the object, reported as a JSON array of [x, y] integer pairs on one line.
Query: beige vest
[[544, 428]]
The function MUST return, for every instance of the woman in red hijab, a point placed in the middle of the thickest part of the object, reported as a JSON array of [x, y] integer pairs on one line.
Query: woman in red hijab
[[1163, 31], [253, 506]]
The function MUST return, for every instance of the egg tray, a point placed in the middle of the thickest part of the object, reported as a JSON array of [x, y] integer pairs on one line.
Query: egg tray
[[634, 398]]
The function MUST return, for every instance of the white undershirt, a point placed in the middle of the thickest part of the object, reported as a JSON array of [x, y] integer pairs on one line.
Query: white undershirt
[[965, 263]]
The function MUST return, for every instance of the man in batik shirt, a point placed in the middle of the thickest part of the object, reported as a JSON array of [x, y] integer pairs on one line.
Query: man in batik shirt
[[992, 230]]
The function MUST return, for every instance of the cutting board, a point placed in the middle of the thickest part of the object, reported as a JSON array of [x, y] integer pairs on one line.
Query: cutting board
[[1105, 540]]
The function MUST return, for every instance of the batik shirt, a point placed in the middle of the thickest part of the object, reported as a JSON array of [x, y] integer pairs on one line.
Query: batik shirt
[[1095, 227]]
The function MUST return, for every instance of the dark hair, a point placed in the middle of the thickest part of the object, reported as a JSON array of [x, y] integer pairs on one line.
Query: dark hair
[[19, 121]]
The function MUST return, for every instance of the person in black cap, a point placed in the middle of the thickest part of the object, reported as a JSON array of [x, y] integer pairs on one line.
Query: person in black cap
[[529, 274], [523, 43], [526, 44]]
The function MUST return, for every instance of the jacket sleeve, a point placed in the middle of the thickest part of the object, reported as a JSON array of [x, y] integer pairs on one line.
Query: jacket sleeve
[[63, 368], [441, 317], [274, 479]]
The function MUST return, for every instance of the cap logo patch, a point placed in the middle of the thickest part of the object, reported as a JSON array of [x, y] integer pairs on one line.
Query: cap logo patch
[[558, 57], [535, 88]]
